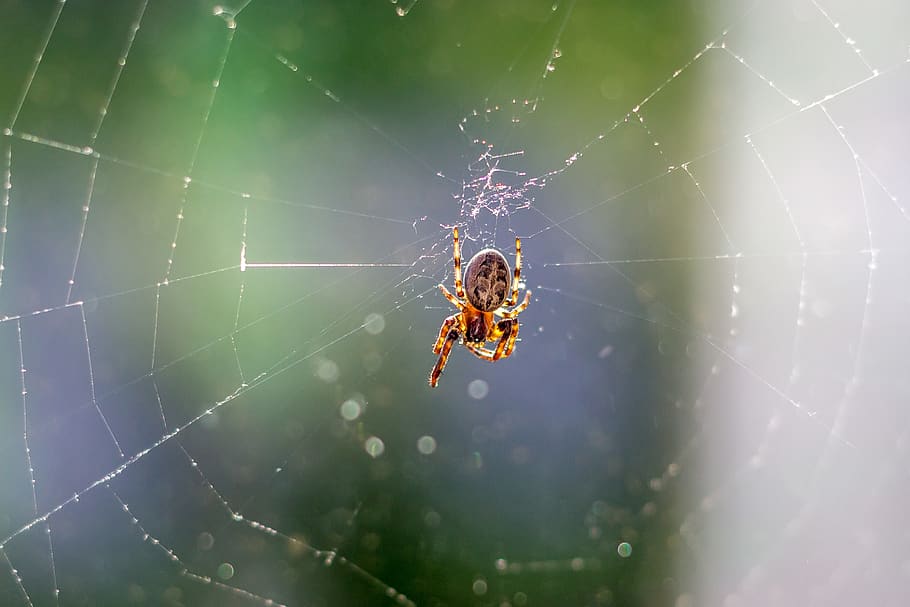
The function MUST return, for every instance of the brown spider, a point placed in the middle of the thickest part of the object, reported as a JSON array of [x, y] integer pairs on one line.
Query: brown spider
[[479, 300]]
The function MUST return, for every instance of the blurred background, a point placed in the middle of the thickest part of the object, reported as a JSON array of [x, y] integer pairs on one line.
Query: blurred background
[[221, 234]]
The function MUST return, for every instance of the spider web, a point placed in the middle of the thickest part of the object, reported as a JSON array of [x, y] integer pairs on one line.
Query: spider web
[[222, 230]]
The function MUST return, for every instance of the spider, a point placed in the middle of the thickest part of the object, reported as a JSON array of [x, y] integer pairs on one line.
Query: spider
[[480, 300]]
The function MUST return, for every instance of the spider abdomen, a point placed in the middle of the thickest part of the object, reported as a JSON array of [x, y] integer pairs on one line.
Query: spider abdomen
[[487, 280]]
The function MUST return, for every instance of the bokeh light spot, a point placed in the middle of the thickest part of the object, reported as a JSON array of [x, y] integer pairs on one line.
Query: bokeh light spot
[[374, 446], [351, 409], [205, 541], [479, 587], [327, 370], [225, 571], [374, 323], [426, 444], [478, 389]]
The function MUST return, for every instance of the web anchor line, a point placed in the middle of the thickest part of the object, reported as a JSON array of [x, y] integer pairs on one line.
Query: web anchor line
[[291, 265], [287, 265]]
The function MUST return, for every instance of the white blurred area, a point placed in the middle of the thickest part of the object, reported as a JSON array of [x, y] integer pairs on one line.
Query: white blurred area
[[802, 494]]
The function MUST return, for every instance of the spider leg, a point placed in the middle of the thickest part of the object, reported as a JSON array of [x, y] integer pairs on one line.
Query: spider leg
[[509, 329], [519, 308], [452, 299], [511, 301], [480, 351], [447, 325], [512, 338], [456, 253], [443, 357]]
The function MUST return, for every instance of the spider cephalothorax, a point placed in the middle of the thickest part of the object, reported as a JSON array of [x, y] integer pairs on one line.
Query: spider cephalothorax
[[482, 300]]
